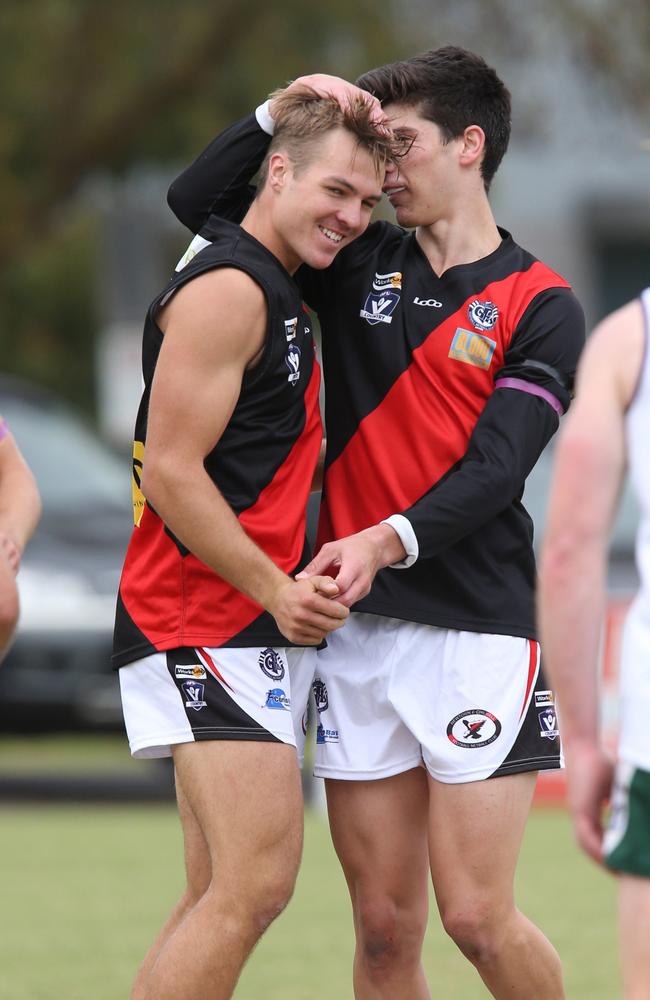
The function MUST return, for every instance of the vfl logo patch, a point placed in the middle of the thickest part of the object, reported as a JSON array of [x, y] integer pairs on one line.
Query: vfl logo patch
[[271, 664], [292, 361], [548, 724], [290, 327], [276, 698], [194, 694], [320, 695], [382, 300], [473, 728], [483, 315], [472, 348], [195, 670]]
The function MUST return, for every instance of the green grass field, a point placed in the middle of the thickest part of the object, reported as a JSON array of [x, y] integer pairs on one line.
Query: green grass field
[[84, 889]]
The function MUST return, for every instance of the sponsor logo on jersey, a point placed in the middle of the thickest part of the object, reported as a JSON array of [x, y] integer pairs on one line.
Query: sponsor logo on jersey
[[433, 303], [194, 694], [473, 728], [277, 698], [292, 361], [320, 695], [138, 496], [271, 664], [548, 723], [290, 327], [391, 280], [195, 670], [472, 348], [197, 244], [483, 315], [544, 698], [326, 735]]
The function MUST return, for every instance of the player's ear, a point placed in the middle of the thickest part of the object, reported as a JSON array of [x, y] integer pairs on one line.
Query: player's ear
[[473, 145], [278, 170]]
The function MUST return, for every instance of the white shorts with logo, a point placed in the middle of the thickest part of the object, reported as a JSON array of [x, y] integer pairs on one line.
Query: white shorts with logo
[[392, 695], [190, 694]]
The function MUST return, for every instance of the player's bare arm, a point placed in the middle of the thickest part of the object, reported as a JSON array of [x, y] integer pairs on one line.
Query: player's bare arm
[[355, 561], [589, 471], [20, 505], [214, 330]]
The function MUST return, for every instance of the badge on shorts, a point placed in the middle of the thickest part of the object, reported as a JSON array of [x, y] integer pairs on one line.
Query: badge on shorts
[[326, 735], [320, 695], [473, 728], [194, 694], [271, 664], [548, 723]]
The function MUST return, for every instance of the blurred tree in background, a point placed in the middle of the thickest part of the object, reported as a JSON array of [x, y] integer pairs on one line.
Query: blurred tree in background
[[94, 86]]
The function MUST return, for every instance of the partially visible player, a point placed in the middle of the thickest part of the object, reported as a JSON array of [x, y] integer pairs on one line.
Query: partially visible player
[[212, 633], [608, 429], [20, 509], [449, 357]]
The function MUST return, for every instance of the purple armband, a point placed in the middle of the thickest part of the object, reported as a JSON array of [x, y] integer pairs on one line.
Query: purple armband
[[534, 390]]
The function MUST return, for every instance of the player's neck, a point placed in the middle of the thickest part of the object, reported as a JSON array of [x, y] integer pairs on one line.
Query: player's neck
[[258, 223], [461, 237]]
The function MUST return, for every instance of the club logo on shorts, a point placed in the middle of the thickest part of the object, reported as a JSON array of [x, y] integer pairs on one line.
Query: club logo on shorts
[[277, 698], [194, 694], [483, 315], [271, 664], [548, 723], [326, 735], [473, 728], [320, 695], [195, 670]]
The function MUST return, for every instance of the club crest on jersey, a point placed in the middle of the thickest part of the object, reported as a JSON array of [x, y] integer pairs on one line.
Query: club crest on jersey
[[473, 728], [194, 694], [320, 695], [483, 315], [548, 723], [383, 299], [290, 327], [271, 664], [472, 348], [292, 361], [276, 698]]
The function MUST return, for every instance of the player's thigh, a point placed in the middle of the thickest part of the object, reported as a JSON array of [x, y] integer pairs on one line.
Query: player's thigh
[[247, 799], [475, 834], [379, 831]]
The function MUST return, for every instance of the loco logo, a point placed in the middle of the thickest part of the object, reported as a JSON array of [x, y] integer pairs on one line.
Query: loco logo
[[473, 728], [271, 664], [320, 695], [276, 698]]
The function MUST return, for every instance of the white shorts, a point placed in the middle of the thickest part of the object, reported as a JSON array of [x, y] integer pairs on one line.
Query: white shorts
[[190, 694], [392, 695]]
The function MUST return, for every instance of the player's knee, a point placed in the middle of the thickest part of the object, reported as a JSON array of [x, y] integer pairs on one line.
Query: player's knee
[[389, 935], [272, 895], [475, 930]]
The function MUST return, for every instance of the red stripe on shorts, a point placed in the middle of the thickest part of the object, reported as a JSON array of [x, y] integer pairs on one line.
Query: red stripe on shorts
[[532, 672], [212, 667]]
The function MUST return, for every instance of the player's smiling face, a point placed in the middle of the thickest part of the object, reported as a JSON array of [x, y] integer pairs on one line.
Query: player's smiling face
[[425, 181], [326, 203]]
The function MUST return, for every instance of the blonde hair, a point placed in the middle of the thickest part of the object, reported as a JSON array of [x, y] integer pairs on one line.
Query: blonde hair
[[302, 117]]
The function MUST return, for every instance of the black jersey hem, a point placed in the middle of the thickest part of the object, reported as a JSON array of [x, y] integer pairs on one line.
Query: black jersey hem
[[440, 621], [276, 639]]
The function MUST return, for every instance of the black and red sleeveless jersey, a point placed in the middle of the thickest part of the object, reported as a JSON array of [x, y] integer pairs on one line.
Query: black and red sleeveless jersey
[[263, 465], [441, 393]]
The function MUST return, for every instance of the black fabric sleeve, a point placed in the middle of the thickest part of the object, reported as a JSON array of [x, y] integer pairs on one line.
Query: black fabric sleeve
[[515, 426], [218, 182]]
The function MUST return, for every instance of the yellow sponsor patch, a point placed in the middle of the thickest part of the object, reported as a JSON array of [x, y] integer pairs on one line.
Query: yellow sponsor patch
[[472, 348], [138, 495]]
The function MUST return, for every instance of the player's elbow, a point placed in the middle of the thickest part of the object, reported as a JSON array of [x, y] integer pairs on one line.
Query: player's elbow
[[162, 477]]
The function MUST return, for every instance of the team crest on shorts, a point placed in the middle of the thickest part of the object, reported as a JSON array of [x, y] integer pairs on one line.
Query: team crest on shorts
[[473, 728], [194, 692], [277, 698], [548, 723], [271, 664], [320, 695], [483, 315]]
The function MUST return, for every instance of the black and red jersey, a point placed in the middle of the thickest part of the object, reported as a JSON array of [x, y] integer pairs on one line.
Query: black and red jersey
[[263, 465], [441, 393]]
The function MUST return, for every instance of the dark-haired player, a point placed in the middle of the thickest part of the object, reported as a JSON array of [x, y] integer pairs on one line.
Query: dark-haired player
[[212, 629], [449, 356]]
